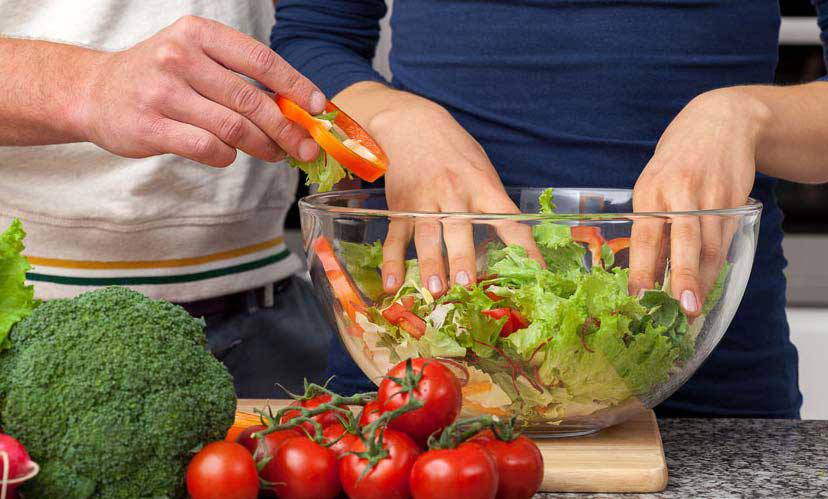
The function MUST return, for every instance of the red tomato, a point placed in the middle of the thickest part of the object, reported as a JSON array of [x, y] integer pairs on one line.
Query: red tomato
[[304, 469], [438, 389], [336, 432], [223, 470], [268, 446], [370, 413], [324, 419], [467, 472], [246, 439], [390, 477], [519, 465]]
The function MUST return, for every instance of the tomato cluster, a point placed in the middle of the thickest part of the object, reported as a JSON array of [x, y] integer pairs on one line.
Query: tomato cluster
[[406, 442]]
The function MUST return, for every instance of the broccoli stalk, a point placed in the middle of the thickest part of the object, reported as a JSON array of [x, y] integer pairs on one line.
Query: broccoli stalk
[[111, 392]]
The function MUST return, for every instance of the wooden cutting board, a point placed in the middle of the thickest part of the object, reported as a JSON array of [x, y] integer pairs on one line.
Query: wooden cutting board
[[627, 457]]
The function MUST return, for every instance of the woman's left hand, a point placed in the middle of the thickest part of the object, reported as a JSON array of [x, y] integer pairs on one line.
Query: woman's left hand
[[704, 160]]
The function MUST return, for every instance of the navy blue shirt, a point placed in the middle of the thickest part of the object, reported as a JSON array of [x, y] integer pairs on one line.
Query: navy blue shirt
[[577, 93]]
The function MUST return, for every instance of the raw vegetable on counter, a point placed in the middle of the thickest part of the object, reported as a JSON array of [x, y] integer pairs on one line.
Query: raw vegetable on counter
[[16, 298], [546, 343], [316, 448], [347, 147], [111, 392]]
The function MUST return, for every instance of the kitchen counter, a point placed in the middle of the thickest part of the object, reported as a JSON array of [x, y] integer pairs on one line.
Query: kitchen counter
[[740, 458]]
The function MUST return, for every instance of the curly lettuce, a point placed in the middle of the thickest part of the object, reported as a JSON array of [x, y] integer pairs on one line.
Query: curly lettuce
[[16, 298]]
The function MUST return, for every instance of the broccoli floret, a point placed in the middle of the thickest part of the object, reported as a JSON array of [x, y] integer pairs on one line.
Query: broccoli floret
[[111, 392]]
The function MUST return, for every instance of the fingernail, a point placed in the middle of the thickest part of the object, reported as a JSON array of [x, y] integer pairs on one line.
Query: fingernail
[[462, 278], [308, 150], [689, 302], [435, 285], [317, 102], [390, 282]]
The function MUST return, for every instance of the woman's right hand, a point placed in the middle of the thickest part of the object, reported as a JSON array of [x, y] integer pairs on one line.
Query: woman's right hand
[[436, 166]]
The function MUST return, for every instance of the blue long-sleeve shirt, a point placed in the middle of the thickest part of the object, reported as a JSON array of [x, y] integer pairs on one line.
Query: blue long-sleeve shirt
[[577, 93]]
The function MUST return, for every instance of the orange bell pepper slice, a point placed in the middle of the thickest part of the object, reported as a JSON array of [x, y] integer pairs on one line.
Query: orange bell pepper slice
[[618, 244], [364, 168], [343, 288], [591, 236]]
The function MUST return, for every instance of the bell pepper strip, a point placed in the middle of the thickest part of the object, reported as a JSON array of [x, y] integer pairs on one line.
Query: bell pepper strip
[[242, 421], [368, 167], [514, 320], [343, 289], [408, 302], [518, 320], [618, 244], [591, 236], [405, 319]]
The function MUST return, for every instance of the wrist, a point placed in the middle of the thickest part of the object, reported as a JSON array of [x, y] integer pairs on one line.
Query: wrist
[[78, 108], [740, 110]]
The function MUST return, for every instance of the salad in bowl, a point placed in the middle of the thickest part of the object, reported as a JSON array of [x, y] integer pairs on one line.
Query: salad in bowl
[[562, 345]]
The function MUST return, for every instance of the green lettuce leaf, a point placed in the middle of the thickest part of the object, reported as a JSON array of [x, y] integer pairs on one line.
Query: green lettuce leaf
[[363, 262], [16, 299], [547, 206]]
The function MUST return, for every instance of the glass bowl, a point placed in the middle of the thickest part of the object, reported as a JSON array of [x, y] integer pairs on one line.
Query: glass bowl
[[566, 349]]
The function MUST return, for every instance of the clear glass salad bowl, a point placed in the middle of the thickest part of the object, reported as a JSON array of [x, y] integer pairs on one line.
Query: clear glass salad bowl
[[562, 346]]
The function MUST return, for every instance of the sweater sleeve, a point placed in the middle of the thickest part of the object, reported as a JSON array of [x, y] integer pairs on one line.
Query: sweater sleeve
[[332, 42], [822, 18]]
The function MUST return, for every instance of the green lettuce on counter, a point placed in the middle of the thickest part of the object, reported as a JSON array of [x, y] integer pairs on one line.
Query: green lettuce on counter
[[16, 298]]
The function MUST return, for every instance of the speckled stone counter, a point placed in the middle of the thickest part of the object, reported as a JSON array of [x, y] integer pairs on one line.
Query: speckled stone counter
[[735, 458]]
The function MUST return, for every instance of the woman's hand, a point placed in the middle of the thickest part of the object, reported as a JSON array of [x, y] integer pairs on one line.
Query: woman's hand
[[436, 166], [182, 92], [706, 159]]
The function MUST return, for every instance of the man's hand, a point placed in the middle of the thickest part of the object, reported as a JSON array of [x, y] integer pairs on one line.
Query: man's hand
[[436, 166], [705, 160], [181, 92]]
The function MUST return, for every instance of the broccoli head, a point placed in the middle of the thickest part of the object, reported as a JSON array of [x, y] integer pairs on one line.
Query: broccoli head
[[111, 392]]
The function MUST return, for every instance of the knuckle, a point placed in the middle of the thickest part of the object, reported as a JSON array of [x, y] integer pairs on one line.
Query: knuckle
[[231, 128], [246, 98], [292, 82], [170, 55], [460, 262], [201, 146], [641, 276], [262, 58], [188, 25], [710, 252]]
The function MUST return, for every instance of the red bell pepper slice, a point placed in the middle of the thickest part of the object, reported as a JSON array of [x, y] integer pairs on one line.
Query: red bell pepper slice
[[406, 319], [343, 289], [364, 168], [514, 320], [518, 320], [591, 236]]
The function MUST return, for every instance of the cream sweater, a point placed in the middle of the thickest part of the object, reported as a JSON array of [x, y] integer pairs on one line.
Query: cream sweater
[[166, 226]]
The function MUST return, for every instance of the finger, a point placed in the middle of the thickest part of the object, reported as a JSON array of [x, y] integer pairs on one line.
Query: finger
[[458, 235], [685, 245], [182, 139], [230, 127], [646, 253], [428, 241], [508, 231], [393, 254], [246, 55], [711, 255], [231, 91]]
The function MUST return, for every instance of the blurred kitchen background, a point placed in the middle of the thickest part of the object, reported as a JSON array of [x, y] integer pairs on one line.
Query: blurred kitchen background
[[805, 206]]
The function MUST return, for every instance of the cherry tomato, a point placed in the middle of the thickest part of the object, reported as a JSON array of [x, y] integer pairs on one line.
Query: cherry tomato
[[370, 413], [390, 477], [324, 419], [519, 464], [438, 389], [246, 439], [467, 472], [267, 447], [223, 470], [343, 440], [304, 469]]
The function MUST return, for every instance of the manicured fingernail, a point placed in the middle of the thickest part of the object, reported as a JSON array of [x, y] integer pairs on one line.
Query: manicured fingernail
[[462, 278], [308, 150], [689, 302], [317, 102], [435, 285], [390, 282]]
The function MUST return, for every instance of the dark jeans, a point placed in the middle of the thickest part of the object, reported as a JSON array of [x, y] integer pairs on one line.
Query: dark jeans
[[264, 341]]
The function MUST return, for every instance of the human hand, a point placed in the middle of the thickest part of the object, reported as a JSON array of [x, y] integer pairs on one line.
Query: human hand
[[704, 160], [436, 166], [182, 92]]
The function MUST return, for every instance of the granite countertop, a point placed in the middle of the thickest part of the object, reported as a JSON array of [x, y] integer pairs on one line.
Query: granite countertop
[[734, 458]]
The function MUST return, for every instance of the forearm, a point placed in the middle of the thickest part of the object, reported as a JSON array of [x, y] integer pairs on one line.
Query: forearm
[[792, 130], [42, 91]]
